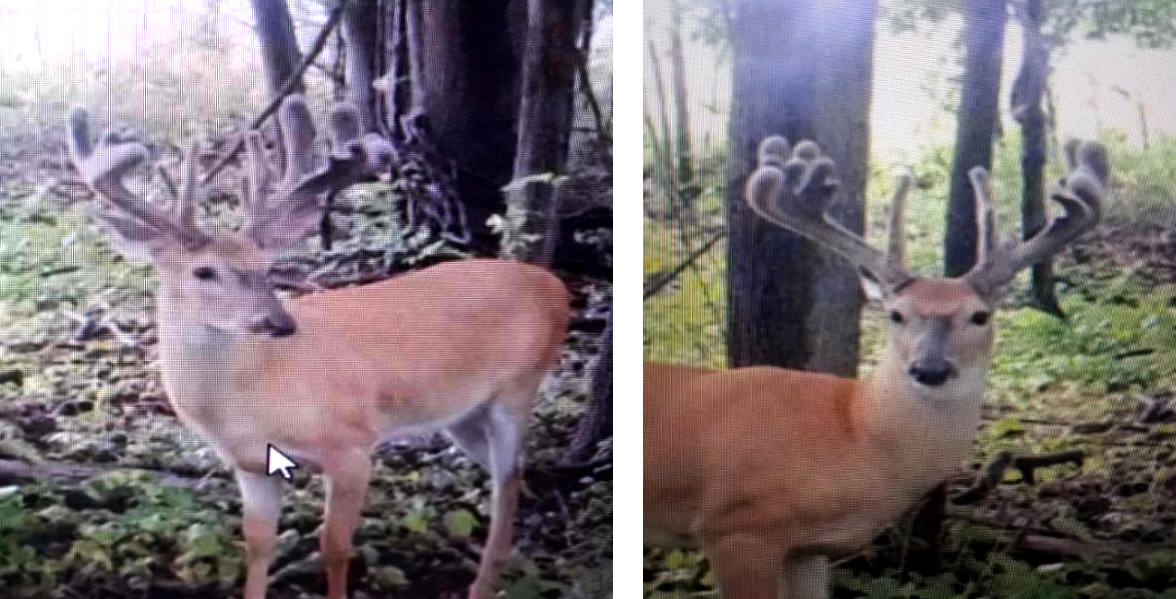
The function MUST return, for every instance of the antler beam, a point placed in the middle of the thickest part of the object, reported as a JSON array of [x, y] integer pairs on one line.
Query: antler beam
[[104, 167], [792, 187], [1080, 192]]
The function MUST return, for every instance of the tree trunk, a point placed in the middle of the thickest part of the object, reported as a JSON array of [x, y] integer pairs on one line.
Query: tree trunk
[[545, 119], [279, 47], [683, 149], [1027, 94], [589, 145], [359, 33], [470, 77], [802, 69], [397, 86], [975, 126], [468, 80], [549, 80], [596, 422], [665, 175]]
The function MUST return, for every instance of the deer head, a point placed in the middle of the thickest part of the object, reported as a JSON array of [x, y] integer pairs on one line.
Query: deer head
[[941, 328], [222, 281]]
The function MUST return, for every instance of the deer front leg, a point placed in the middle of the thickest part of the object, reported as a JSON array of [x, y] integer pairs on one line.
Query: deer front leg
[[347, 482], [261, 502], [746, 567], [805, 577]]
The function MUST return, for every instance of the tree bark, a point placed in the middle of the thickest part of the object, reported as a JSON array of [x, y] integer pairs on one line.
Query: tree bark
[[683, 149], [545, 119], [279, 46], [975, 126], [665, 175], [596, 422], [789, 303], [468, 84], [470, 80], [549, 81], [359, 34], [398, 88], [1027, 93]]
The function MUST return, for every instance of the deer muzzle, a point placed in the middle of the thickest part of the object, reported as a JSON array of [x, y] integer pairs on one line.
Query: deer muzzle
[[930, 366], [273, 324], [931, 372]]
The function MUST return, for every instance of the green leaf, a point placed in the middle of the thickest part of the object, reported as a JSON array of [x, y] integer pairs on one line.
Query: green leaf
[[388, 577], [460, 523]]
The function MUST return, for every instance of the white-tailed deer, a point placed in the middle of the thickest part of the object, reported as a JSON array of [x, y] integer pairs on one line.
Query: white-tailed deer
[[773, 472], [459, 347]]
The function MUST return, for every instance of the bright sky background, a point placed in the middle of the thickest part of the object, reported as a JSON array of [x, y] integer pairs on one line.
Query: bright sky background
[[905, 118], [49, 29]]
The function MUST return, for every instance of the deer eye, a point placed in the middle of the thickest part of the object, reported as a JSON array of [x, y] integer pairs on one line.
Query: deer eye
[[896, 317], [204, 273], [979, 318]]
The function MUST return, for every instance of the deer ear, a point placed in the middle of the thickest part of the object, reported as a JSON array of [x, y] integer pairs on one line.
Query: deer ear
[[874, 289]]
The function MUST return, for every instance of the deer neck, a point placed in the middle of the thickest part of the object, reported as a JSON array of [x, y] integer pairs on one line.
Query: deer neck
[[190, 346]]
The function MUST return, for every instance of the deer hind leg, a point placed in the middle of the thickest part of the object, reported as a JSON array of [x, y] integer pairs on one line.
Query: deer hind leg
[[806, 577], [261, 502], [493, 437], [347, 479]]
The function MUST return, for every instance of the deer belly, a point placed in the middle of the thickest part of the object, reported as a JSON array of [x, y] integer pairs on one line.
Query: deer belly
[[844, 535]]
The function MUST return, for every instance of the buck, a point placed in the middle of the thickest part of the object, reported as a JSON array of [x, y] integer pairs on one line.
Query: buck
[[460, 347], [773, 472]]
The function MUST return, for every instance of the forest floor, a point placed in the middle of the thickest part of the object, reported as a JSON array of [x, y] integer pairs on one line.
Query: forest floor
[[103, 494], [1101, 384]]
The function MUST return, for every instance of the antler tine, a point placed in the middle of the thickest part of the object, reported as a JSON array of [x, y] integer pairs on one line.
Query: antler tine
[[298, 135], [345, 131], [294, 208], [795, 193], [774, 151], [186, 198], [103, 168], [986, 234], [1081, 199], [258, 176], [896, 228], [344, 126]]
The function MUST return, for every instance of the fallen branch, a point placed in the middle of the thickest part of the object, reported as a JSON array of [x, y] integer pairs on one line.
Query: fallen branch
[[994, 472], [287, 87], [590, 97]]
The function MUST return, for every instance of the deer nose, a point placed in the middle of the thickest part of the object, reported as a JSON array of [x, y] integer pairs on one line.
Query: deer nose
[[932, 372], [274, 325]]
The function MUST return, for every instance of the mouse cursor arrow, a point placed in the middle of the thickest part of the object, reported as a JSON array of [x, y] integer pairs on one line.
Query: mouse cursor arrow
[[278, 462]]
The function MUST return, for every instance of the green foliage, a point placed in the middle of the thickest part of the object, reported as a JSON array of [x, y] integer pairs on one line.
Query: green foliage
[[685, 322], [125, 527], [1096, 348], [1152, 23], [1145, 180], [46, 259]]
